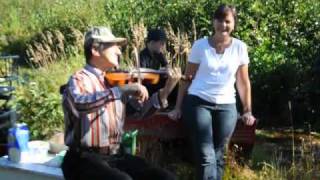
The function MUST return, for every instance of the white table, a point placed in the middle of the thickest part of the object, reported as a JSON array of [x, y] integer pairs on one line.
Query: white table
[[28, 171]]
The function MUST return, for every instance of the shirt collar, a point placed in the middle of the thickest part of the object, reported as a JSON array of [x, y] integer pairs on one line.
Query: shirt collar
[[97, 72]]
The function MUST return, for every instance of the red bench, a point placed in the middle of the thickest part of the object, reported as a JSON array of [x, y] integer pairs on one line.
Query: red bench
[[161, 127]]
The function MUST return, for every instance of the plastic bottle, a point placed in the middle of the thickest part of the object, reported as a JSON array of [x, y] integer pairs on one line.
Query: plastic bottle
[[129, 142], [18, 138]]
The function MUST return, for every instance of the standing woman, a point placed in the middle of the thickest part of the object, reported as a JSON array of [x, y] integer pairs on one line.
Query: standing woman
[[208, 103]]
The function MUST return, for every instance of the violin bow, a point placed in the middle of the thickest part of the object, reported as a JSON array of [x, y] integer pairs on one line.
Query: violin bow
[[136, 53]]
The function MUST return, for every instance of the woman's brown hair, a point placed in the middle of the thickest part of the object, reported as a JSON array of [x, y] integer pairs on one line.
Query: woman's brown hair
[[223, 10]]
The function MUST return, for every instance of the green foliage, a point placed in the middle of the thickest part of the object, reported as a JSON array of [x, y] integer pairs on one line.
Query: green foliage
[[21, 19], [40, 110], [157, 13], [283, 49], [283, 39], [38, 100]]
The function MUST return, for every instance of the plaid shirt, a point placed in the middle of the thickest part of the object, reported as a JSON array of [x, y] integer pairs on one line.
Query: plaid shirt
[[98, 110]]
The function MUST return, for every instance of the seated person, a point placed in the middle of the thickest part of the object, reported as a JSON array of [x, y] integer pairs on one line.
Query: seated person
[[152, 57]]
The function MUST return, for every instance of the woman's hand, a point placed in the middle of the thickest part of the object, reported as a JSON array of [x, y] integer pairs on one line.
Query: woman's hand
[[248, 118], [175, 114]]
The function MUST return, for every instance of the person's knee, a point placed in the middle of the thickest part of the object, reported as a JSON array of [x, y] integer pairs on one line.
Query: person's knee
[[219, 153], [207, 156], [207, 160]]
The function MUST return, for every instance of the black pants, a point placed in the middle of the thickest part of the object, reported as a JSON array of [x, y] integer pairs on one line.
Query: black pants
[[94, 166]]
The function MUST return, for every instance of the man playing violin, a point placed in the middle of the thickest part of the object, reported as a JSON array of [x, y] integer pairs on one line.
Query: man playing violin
[[94, 115]]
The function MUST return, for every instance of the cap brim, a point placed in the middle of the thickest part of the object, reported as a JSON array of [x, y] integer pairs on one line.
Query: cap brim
[[119, 41]]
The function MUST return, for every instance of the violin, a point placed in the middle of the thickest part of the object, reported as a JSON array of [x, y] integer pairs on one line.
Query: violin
[[146, 76], [140, 75]]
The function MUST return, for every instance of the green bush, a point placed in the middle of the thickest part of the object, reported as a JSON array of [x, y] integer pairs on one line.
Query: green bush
[[37, 96], [40, 110], [283, 39]]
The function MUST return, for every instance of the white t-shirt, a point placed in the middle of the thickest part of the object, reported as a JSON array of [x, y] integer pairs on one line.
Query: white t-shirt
[[216, 76]]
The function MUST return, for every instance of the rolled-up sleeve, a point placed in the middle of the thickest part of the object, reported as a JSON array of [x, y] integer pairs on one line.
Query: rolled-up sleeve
[[243, 54], [84, 102]]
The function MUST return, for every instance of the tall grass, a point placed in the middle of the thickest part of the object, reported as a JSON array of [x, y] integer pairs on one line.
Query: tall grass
[[21, 19], [34, 15], [272, 158]]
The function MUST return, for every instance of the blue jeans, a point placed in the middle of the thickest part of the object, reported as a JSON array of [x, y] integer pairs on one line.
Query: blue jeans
[[209, 126]]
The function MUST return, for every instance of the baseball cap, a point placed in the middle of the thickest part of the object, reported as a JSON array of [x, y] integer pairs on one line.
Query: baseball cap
[[103, 35], [156, 35]]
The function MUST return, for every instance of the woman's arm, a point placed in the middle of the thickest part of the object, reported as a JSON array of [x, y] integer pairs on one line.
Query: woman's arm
[[191, 70], [244, 89]]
